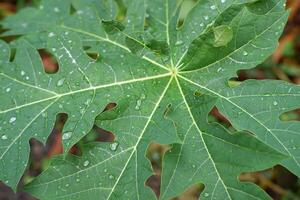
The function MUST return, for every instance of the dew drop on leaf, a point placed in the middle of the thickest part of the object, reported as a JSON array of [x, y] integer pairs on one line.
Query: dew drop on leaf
[[67, 135], [60, 82], [3, 137], [12, 119], [245, 53], [206, 194], [111, 177], [143, 96], [51, 34], [114, 146], [138, 105], [86, 163], [8, 89], [220, 70], [275, 103], [179, 42]]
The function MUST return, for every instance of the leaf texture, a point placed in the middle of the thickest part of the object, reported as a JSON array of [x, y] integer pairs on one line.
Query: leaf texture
[[165, 74]]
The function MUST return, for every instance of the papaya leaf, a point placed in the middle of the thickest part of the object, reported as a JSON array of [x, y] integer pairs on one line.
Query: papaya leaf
[[164, 77]]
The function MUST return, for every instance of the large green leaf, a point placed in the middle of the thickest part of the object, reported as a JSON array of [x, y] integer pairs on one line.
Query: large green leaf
[[164, 79]]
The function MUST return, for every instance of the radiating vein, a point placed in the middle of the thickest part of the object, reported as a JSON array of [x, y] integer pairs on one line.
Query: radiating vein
[[112, 42], [246, 112], [26, 84], [236, 50], [141, 136], [25, 128], [87, 89], [201, 136], [85, 169]]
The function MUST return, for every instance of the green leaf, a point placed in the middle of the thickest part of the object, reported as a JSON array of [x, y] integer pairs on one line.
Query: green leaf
[[164, 80], [223, 35]]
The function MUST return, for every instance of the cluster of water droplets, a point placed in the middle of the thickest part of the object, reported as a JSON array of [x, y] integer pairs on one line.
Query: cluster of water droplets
[[139, 102]]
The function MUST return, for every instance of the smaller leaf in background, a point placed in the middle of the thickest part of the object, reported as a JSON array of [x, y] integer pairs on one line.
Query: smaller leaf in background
[[223, 35]]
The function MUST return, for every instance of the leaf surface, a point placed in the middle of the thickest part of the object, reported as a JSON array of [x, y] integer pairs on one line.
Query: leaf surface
[[165, 79]]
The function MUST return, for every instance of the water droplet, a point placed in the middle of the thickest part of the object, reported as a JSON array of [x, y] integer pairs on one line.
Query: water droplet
[[8, 89], [138, 105], [275, 103], [213, 7], [22, 73], [114, 146], [179, 42], [86, 163], [111, 177], [206, 194], [223, 1], [67, 185], [77, 180], [194, 166], [143, 96], [220, 69], [56, 9], [12, 119], [51, 34], [245, 53], [4, 137], [67, 135], [60, 82], [206, 17]]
